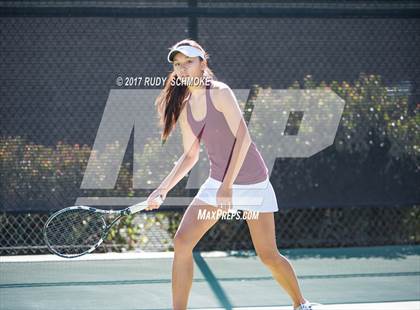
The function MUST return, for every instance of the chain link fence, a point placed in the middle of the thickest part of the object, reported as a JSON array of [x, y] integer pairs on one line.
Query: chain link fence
[[295, 228], [60, 59]]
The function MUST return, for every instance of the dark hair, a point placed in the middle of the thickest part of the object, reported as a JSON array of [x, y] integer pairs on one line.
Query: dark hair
[[170, 101]]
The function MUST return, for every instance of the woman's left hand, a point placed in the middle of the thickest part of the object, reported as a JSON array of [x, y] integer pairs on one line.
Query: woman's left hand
[[224, 197]]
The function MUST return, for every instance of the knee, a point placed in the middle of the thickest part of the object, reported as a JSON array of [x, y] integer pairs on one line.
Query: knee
[[182, 244], [270, 258]]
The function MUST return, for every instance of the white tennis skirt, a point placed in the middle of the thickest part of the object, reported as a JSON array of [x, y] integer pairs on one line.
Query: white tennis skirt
[[259, 197]]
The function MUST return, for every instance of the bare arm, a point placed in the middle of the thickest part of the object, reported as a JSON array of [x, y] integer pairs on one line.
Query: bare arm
[[238, 154], [184, 164], [237, 125], [188, 159]]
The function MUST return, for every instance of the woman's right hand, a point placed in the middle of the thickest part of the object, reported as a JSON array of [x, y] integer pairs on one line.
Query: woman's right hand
[[152, 204]]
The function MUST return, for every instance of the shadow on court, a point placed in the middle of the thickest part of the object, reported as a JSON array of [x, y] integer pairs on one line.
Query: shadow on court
[[222, 280]]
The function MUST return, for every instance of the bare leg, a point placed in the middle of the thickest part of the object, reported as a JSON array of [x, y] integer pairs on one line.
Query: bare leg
[[263, 237], [189, 232]]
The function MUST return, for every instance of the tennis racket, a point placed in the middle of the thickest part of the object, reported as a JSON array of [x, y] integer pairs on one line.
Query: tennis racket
[[79, 230]]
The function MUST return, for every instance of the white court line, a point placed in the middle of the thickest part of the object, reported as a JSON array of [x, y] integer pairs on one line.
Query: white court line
[[100, 256], [405, 305]]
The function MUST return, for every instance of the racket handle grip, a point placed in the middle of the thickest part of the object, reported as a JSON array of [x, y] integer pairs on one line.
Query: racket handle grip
[[143, 205]]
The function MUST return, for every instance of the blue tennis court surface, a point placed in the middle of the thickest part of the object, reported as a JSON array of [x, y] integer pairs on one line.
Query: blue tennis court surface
[[342, 278]]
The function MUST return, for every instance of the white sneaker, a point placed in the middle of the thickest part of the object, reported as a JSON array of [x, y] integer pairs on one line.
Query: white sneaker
[[307, 306]]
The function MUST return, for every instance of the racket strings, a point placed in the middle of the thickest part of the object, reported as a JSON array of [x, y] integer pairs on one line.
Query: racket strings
[[75, 231]]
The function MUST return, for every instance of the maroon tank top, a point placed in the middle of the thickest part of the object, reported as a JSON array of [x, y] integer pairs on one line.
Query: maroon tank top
[[219, 141]]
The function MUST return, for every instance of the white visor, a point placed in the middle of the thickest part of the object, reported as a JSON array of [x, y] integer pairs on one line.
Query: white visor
[[187, 50]]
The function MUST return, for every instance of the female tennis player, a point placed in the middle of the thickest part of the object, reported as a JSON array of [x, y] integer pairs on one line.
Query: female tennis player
[[207, 109]]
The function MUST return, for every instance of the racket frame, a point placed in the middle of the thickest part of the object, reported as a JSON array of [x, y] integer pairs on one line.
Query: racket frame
[[121, 213]]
